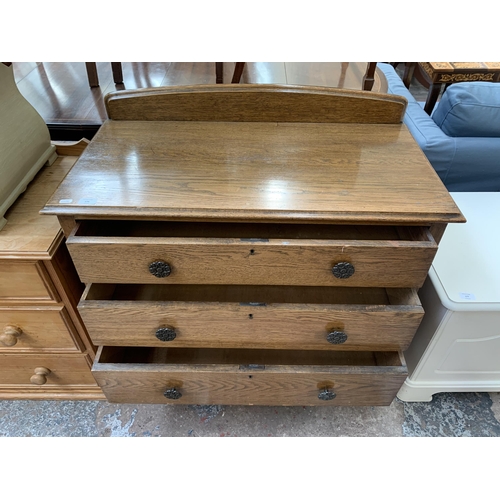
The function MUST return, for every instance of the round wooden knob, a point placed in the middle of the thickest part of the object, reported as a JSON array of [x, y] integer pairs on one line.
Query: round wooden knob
[[40, 376], [165, 334], [343, 270], [172, 393], [9, 335], [160, 269], [326, 395], [336, 337]]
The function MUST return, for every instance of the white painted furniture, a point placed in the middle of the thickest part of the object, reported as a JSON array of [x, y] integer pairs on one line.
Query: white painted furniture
[[457, 346], [24, 142]]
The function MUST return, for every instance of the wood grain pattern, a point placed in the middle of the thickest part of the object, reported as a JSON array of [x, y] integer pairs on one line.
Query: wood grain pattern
[[231, 261], [254, 172], [353, 382], [65, 369], [255, 103], [23, 280], [282, 317], [43, 328]]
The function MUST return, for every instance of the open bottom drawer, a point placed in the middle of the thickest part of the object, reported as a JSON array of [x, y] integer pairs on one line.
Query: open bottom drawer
[[248, 377]]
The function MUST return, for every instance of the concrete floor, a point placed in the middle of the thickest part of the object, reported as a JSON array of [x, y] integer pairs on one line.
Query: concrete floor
[[458, 414]]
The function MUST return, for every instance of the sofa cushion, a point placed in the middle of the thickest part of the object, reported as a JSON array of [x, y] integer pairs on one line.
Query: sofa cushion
[[470, 110]]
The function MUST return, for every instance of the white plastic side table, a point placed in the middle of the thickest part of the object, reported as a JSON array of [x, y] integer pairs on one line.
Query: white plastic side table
[[457, 346]]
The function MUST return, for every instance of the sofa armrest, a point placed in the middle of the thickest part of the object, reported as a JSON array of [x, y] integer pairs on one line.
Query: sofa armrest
[[439, 148], [476, 166]]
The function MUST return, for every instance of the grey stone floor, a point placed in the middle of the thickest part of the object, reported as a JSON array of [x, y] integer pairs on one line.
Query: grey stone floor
[[449, 414]]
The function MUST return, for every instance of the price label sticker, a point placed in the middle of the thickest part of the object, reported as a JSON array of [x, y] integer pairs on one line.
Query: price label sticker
[[467, 296], [87, 201]]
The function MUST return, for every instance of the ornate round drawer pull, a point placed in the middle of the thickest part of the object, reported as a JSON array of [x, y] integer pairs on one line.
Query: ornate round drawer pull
[[40, 376], [160, 269], [172, 393], [165, 334], [336, 337], [326, 395], [9, 335], [343, 270]]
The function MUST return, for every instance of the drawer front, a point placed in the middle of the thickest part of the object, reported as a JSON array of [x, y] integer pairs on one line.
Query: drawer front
[[304, 385], [25, 281], [25, 327], [44, 371], [225, 261], [257, 325]]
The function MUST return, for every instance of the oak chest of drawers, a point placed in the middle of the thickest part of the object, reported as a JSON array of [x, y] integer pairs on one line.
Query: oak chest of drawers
[[45, 351], [239, 245]]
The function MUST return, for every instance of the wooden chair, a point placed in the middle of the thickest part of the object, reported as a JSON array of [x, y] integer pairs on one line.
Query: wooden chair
[[93, 77], [369, 78], [219, 72], [116, 67]]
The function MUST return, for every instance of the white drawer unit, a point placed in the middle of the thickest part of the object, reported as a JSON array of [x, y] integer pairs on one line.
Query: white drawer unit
[[457, 346]]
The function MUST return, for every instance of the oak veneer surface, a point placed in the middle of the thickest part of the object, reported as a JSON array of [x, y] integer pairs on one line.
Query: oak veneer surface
[[212, 376], [269, 317], [254, 171], [255, 103]]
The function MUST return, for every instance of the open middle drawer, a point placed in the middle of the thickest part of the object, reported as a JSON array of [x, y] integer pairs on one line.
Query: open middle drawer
[[252, 254], [251, 316]]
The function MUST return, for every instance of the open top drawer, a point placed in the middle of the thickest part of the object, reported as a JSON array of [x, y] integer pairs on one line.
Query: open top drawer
[[251, 254], [245, 377], [251, 316]]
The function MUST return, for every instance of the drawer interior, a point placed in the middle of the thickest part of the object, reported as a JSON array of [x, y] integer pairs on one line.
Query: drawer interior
[[246, 358], [249, 231], [251, 295]]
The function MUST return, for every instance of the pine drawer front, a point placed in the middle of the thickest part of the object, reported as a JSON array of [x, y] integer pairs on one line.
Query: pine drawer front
[[251, 317], [229, 377], [43, 371], [40, 328], [228, 254], [24, 281]]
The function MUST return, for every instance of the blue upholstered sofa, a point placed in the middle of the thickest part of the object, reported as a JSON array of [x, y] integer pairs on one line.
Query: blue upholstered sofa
[[461, 138]]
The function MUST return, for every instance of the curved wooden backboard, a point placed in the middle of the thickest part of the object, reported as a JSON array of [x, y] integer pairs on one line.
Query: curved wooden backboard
[[255, 103]]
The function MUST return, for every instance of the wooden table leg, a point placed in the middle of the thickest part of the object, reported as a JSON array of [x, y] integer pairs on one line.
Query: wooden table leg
[[92, 74], [408, 74], [432, 96], [238, 70], [369, 78], [117, 72], [219, 72]]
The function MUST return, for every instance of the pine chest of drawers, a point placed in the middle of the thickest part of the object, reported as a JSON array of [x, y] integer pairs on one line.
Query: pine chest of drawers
[[252, 244], [45, 351]]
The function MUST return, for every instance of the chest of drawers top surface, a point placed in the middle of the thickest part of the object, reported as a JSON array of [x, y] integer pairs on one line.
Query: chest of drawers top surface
[[262, 172]]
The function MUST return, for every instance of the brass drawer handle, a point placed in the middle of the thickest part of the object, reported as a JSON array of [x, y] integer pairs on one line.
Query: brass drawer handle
[[343, 270], [160, 269], [336, 337], [40, 376], [165, 334], [9, 335], [172, 393], [326, 395]]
